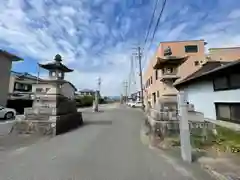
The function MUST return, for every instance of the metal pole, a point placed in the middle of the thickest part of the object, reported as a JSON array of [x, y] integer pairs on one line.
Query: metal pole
[[126, 90], [38, 73], [125, 86], [140, 74]]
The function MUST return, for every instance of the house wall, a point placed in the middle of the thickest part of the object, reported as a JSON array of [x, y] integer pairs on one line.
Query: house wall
[[203, 97], [67, 90], [5, 70]]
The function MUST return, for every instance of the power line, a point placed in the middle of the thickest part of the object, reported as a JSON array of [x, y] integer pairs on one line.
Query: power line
[[155, 29], [158, 20], [130, 75], [150, 23]]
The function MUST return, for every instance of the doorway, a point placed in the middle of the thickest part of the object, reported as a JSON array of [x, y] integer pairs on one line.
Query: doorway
[[154, 98]]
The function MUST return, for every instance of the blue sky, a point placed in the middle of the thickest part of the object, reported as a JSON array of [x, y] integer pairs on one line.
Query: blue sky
[[96, 37]]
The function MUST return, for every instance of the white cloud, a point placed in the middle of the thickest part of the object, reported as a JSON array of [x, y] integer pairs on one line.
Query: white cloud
[[93, 45], [68, 10], [176, 32], [234, 14]]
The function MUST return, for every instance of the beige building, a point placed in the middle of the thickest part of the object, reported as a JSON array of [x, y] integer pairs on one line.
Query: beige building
[[5, 71], [185, 58], [224, 54]]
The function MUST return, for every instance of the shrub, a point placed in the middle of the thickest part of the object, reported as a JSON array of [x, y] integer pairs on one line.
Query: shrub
[[84, 101]]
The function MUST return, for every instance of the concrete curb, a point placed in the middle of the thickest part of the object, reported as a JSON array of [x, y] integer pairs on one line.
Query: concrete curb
[[214, 173]]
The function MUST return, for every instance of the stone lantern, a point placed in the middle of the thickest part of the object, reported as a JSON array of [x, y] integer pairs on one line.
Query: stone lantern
[[54, 105]]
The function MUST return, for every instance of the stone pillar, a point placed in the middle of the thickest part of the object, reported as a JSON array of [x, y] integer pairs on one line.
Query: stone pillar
[[186, 149], [95, 103]]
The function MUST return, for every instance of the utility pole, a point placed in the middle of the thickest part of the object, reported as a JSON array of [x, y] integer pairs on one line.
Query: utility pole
[[130, 75], [125, 86], [139, 56], [99, 84]]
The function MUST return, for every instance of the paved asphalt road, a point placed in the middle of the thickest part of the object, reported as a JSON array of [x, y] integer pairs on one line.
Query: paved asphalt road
[[107, 147]]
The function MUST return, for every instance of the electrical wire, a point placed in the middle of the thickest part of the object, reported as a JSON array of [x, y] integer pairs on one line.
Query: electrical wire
[[150, 23], [158, 20]]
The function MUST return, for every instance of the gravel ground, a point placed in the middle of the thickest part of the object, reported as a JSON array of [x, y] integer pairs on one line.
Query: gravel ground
[[107, 147]]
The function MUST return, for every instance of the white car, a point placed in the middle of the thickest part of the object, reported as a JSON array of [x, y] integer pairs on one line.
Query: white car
[[130, 103], [7, 113], [136, 104]]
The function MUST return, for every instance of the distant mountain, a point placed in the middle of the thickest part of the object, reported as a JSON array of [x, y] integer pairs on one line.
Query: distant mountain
[[114, 97]]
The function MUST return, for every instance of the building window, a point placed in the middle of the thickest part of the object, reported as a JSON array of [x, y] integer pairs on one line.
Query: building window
[[220, 83], [22, 87], [156, 74], [17, 86], [228, 112], [151, 80], [39, 89], [234, 80], [191, 49], [157, 93], [196, 63], [231, 81]]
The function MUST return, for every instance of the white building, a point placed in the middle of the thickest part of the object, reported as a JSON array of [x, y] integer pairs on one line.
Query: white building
[[48, 87], [215, 90]]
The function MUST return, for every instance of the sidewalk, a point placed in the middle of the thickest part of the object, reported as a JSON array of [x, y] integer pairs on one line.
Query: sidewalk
[[224, 167]]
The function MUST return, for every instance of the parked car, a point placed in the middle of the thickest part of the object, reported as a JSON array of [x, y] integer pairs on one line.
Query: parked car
[[129, 103], [7, 113], [137, 104]]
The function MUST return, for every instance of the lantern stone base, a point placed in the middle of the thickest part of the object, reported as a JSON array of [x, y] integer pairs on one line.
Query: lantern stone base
[[53, 126], [50, 115]]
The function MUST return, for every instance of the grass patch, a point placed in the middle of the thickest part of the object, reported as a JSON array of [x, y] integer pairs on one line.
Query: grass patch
[[226, 140]]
